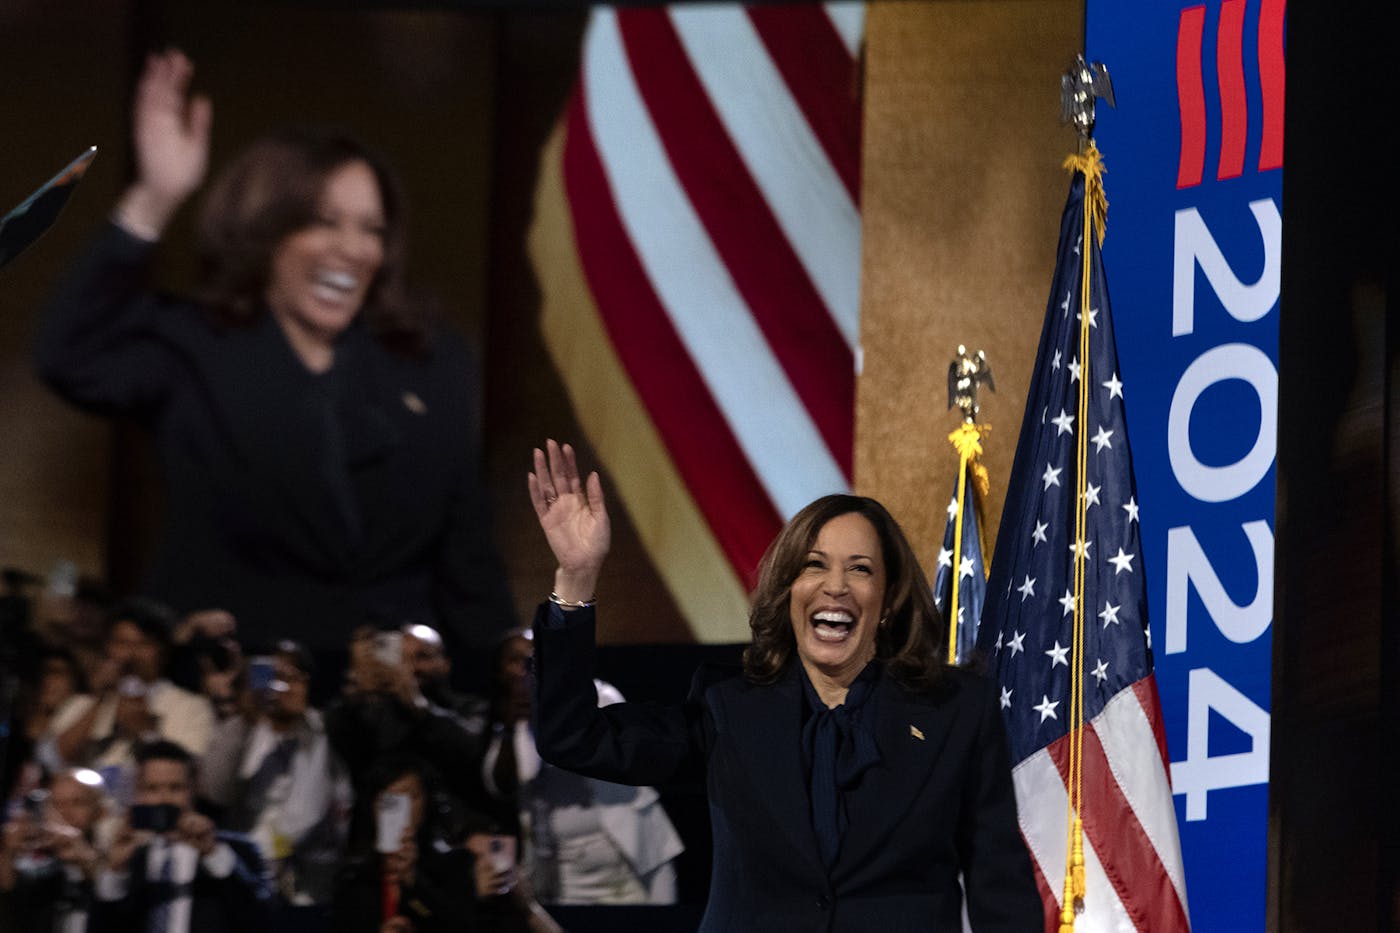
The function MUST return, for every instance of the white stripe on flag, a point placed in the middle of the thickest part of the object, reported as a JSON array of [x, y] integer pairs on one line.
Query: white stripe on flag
[[769, 421], [848, 16], [780, 151], [1041, 804], [1131, 749]]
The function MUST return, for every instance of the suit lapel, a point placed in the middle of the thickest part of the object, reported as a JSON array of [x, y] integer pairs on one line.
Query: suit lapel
[[767, 728], [911, 732]]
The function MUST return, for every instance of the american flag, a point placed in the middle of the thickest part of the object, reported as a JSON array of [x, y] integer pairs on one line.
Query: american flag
[[702, 304], [1134, 877], [971, 570]]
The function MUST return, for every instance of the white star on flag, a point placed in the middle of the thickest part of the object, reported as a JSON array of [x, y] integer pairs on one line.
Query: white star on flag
[[1122, 562], [945, 557], [1027, 588], [1131, 507], [1074, 548], [1114, 387], [1101, 440], [1067, 601], [1005, 697], [1091, 495], [1046, 709], [965, 567], [1058, 655], [1065, 423], [1017, 643], [1074, 370], [1100, 671], [1109, 614], [1051, 477]]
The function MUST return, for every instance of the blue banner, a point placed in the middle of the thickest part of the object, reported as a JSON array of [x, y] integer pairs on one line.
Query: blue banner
[[1194, 156]]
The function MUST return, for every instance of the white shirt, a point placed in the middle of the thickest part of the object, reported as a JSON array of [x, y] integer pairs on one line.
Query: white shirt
[[184, 862]]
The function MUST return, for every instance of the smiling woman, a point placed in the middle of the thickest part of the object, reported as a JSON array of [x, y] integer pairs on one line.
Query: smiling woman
[[855, 782], [314, 424]]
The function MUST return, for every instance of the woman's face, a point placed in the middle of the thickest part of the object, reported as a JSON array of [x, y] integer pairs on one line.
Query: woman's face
[[838, 598], [322, 273]]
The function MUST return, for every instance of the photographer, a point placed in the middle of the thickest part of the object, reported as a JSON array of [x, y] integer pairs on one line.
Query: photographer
[[130, 699], [168, 868], [50, 852], [382, 712], [275, 777]]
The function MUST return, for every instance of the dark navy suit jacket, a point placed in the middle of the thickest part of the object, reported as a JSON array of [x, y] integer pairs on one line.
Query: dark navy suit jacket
[[940, 803]]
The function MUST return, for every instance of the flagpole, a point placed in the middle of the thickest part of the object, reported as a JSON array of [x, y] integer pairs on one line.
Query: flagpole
[[1081, 86], [966, 374]]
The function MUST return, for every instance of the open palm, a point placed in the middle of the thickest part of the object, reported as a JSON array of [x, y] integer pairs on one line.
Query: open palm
[[572, 515]]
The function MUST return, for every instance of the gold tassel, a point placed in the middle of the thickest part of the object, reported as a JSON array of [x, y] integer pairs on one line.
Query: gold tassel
[[967, 440], [1090, 163]]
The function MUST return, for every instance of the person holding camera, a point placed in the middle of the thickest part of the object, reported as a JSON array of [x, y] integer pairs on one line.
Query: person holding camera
[[432, 867], [168, 868], [50, 851], [130, 699], [382, 712], [275, 777]]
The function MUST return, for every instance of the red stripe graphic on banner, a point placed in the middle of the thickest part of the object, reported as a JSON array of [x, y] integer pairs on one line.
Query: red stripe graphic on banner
[[1124, 850], [822, 77], [1190, 96], [1229, 74], [1271, 80], [685, 414], [763, 265]]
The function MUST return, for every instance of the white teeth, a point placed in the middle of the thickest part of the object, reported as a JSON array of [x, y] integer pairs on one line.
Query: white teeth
[[340, 280], [831, 615]]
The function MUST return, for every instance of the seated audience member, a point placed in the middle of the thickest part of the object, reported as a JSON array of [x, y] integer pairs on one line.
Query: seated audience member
[[50, 852], [168, 868], [275, 777], [382, 711], [130, 699], [590, 842], [414, 880]]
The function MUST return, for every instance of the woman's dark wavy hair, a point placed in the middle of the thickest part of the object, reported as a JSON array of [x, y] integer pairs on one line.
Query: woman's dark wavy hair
[[271, 190], [911, 641]]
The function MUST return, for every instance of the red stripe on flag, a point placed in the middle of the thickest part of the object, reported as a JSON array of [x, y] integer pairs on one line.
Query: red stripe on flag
[[785, 304], [1271, 79], [705, 452], [1047, 897], [823, 77], [1123, 847], [1229, 74], [1190, 96], [1151, 703]]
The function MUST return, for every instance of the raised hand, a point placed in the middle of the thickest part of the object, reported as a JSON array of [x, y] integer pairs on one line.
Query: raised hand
[[573, 517], [170, 137]]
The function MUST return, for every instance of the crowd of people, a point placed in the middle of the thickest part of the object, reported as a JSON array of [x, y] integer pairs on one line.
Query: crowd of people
[[167, 780]]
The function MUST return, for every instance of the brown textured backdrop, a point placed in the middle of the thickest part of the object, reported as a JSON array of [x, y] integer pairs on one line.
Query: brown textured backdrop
[[961, 196]]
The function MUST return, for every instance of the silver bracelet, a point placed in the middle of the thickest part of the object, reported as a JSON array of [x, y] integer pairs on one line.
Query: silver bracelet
[[572, 603]]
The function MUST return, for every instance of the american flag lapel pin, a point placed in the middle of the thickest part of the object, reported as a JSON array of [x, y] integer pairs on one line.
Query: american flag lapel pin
[[914, 731]]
